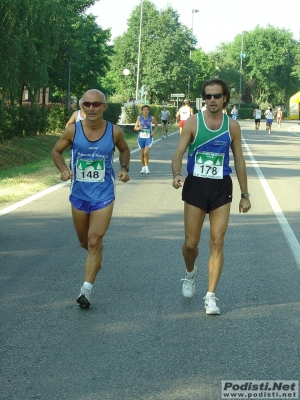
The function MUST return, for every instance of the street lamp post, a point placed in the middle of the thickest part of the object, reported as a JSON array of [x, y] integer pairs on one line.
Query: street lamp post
[[139, 54], [242, 55], [126, 72], [189, 79]]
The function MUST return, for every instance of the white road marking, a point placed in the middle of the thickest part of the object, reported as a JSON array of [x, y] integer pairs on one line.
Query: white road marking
[[32, 198], [287, 230], [51, 189]]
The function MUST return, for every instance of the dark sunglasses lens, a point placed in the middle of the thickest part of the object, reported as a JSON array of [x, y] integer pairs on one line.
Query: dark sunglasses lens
[[216, 96], [95, 104]]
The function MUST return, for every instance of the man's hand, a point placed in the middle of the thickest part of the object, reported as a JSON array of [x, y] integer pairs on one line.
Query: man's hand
[[66, 175], [244, 205], [123, 176], [178, 181]]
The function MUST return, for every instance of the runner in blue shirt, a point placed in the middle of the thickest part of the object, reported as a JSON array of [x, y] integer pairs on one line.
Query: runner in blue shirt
[[92, 143]]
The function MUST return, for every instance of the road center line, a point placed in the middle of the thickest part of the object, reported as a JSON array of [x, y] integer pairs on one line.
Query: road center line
[[287, 230]]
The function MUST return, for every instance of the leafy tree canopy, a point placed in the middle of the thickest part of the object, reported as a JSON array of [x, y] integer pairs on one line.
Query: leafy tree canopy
[[164, 54]]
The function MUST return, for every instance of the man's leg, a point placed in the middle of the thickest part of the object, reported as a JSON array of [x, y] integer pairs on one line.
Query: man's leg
[[146, 155], [99, 223], [218, 225], [193, 222], [142, 152], [90, 231], [81, 222]]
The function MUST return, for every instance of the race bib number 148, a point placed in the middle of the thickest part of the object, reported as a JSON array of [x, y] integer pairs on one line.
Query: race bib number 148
[[90, 171]]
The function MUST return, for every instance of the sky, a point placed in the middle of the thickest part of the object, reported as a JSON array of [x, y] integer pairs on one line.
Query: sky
[[217, 20]]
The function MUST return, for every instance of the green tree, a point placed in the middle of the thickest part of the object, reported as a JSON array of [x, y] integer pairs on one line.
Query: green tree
[[203, 68], [32, 38], [85, 50], [267, 70], [164, 55], [25, 53], [270, 60]]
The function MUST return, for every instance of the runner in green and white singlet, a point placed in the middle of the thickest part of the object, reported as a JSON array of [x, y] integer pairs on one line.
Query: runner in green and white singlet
[[207, 189]]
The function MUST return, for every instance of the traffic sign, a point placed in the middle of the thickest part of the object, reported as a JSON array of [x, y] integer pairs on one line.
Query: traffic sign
[[178, 95], [132, 103]]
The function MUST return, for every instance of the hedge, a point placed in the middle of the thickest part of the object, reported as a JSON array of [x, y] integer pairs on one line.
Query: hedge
[[133, 112], [31, 120]]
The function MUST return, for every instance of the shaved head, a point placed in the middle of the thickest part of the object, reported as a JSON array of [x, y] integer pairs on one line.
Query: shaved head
[[95, 93]]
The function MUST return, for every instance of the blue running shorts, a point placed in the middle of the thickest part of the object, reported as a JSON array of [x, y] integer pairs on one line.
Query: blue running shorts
[[89, 206]]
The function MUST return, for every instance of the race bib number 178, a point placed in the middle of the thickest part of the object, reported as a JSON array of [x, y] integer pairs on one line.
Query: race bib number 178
[[209, 165]]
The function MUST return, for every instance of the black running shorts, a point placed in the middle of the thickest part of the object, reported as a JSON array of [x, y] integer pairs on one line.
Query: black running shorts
[[207, 194]]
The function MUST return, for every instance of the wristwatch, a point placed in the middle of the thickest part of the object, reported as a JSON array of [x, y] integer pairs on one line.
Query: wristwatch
[[245, 195], [126, 167]]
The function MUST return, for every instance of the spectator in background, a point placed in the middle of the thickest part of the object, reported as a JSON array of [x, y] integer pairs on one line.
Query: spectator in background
[[269, 119], [234, 112], [165, 115], [143, 125], [278, 113], [257, 117], [78, 115], [184, 113]]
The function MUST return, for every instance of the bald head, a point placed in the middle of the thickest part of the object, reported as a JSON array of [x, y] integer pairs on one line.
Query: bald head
[[95, 94]]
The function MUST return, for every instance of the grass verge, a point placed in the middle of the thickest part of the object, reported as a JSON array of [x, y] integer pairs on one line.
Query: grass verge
[[27, 168]]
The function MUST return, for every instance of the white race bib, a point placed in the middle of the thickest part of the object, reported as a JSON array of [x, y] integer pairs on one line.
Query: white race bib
[[209, 165], [145, 133], [90, 170]]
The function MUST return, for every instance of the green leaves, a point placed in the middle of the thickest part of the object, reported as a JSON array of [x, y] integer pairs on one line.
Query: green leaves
[[267, 70], [164, 56], [39, 39]]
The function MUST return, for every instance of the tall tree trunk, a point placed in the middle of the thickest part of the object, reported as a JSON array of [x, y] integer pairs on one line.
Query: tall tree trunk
[[21, 93]]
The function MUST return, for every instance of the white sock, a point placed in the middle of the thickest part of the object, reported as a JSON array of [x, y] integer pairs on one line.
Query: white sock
[[190, 274], [88, 285], [210, 294]]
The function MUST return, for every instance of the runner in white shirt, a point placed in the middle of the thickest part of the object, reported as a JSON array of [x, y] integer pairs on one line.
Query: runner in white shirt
[[269, 119], [184, 113], [165, 115], [257, 117]]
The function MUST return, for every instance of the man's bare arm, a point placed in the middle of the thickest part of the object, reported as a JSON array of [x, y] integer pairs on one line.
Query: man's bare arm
[[239, 164], [186, 137], [60, 146], [124, 153]]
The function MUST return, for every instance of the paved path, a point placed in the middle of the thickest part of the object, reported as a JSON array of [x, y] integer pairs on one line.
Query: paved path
[[141, 340]]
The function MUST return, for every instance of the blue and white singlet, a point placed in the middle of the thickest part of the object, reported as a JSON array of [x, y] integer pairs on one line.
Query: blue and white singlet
[[91, 163], [146, 125]]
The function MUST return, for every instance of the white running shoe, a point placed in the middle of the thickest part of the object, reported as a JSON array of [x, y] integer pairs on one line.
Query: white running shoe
[[210, 305], [143, 171], [188, 286], [147, 170], [84, 298]]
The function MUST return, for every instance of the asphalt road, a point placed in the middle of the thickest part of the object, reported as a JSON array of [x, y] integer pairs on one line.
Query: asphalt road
[[141, 339]]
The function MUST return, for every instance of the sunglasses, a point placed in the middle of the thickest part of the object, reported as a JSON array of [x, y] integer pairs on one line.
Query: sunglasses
[[215, 95], [95, 104]]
